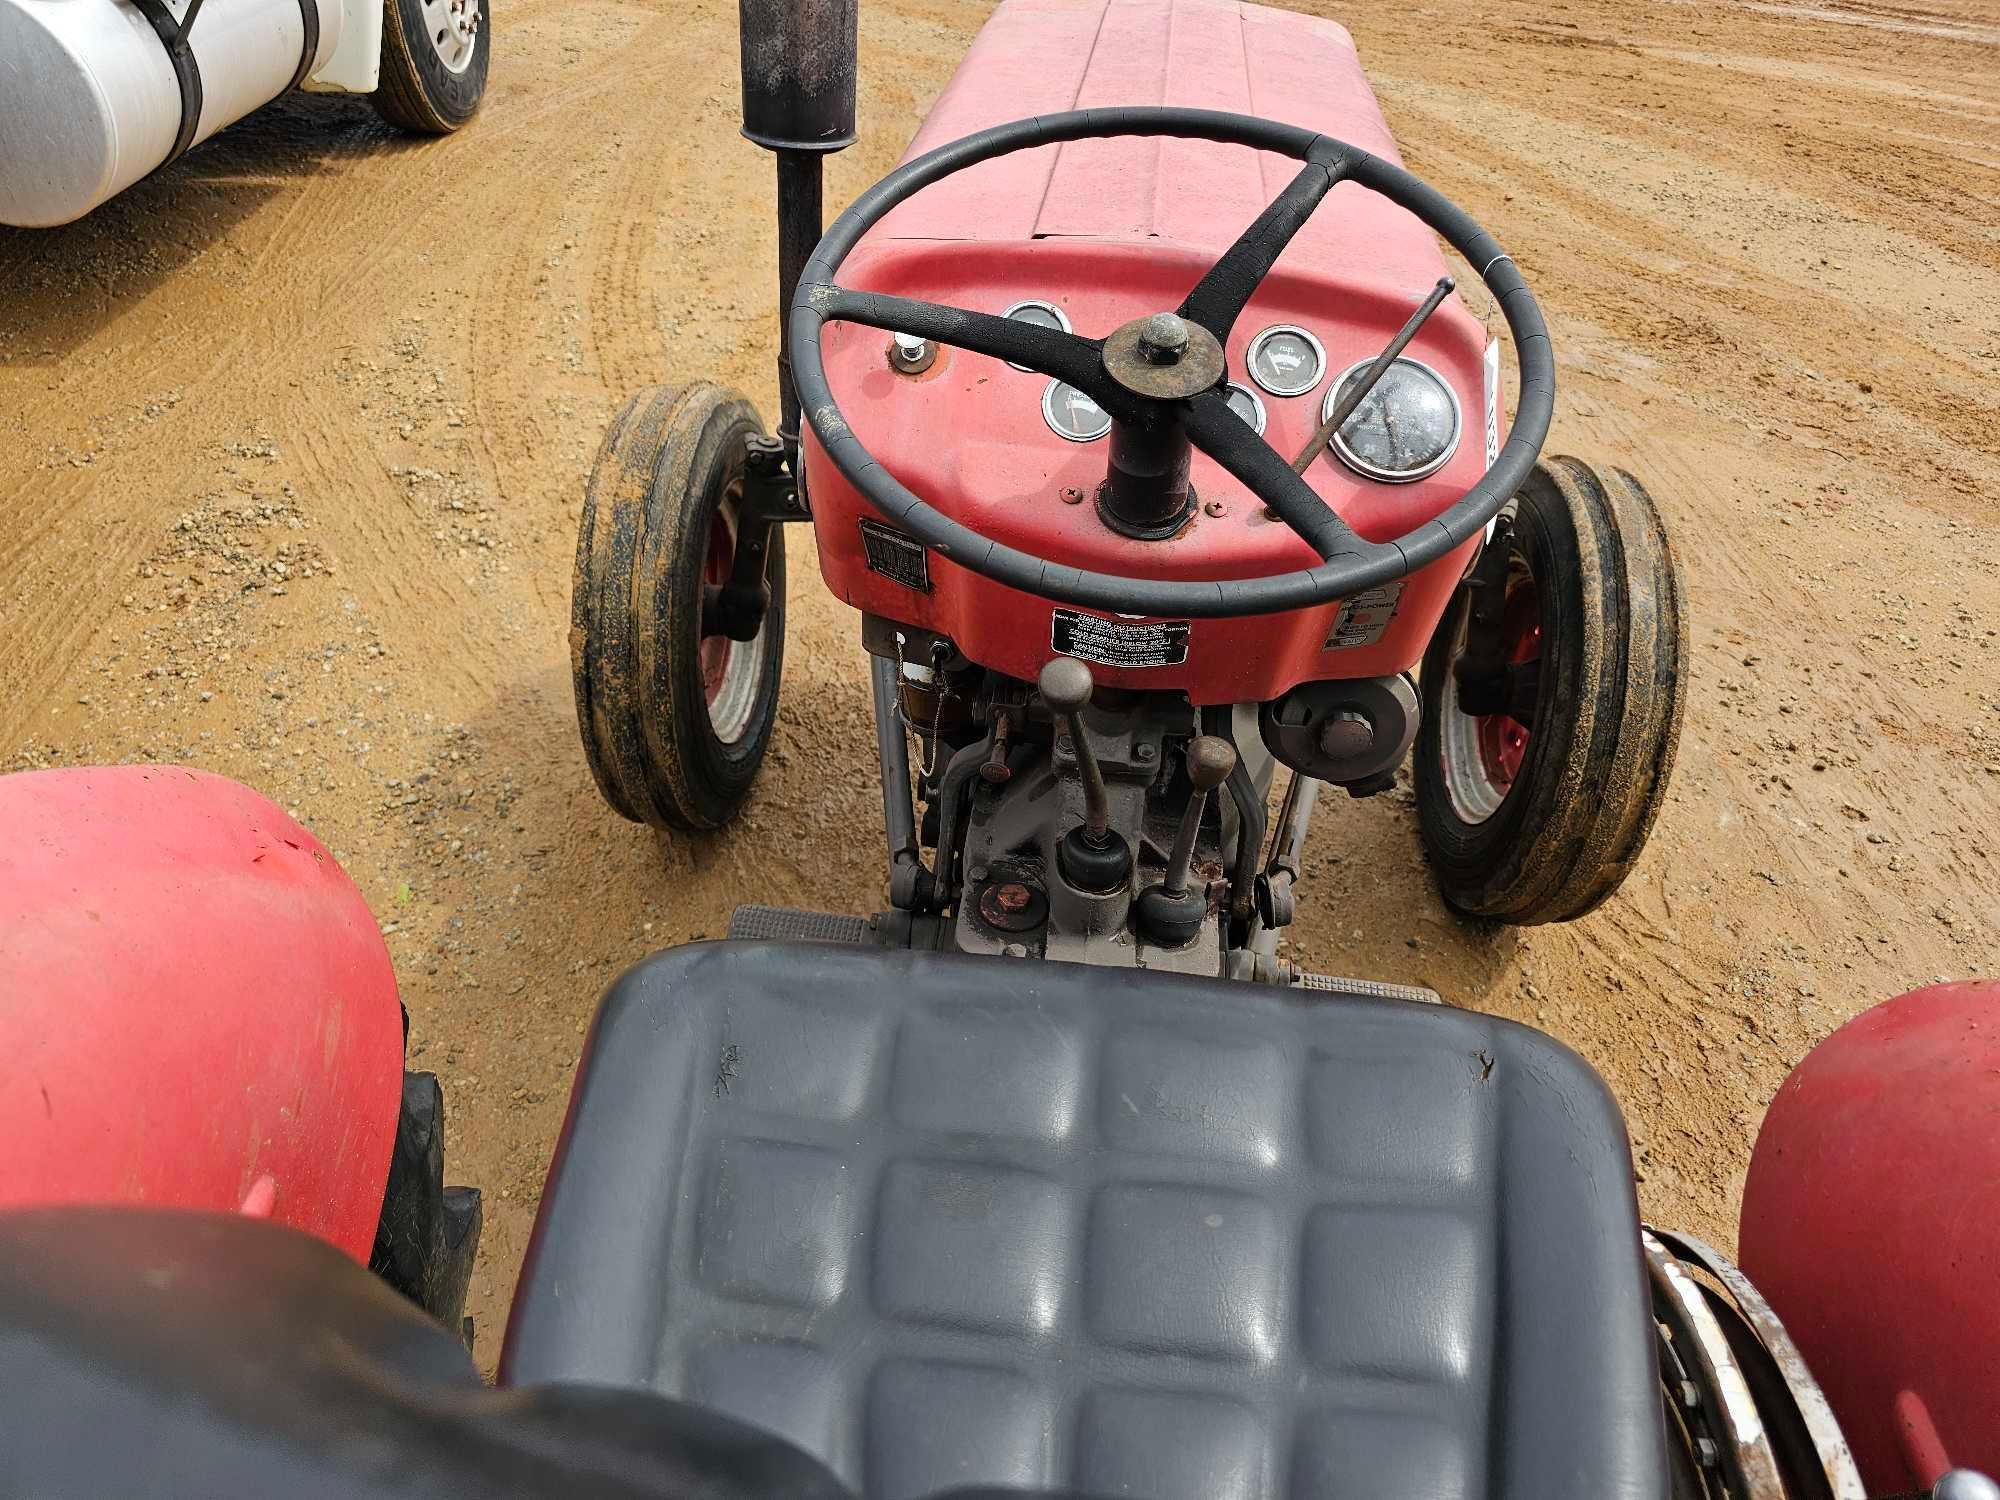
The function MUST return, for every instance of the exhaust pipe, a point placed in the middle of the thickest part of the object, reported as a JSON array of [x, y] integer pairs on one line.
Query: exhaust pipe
[[798, 101]]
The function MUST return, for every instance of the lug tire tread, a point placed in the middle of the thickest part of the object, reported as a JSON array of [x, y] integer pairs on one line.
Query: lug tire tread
[[1598, 768]]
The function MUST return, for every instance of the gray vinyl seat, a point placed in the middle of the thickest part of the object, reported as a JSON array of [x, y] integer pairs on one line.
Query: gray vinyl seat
[[955, 1222]]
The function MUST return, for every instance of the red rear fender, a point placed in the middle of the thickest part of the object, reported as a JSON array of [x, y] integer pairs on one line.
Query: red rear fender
[[196, 1008]]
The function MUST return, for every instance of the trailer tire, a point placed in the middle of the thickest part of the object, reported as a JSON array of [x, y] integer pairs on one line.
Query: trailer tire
[[423, 89], [1541, 821]]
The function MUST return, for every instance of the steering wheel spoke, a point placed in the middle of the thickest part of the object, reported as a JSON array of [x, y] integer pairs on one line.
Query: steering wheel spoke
[[1225, 437], [1067, 357], [1219, 298]]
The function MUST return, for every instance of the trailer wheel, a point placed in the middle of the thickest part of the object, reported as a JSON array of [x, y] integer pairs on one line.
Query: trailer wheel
[[1545, 751], [675, 723], [435, 55]]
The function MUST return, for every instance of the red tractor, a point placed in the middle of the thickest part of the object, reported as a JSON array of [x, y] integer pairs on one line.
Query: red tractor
[[887, 1207]]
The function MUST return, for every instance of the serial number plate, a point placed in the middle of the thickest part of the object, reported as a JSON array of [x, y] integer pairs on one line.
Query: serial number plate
[[897, 556], [1117, 643], [1364, 617]]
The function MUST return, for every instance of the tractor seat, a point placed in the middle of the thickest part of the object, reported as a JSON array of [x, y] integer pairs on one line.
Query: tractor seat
[[948, 1221]]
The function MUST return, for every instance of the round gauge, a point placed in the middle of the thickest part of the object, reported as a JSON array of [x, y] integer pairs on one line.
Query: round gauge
[[1073, 415], [1286, 360], [1246, 404], [1042, 315], [1404, 429]]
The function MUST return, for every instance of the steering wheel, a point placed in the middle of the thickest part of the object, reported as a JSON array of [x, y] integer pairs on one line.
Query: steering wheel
[[1348, 563]]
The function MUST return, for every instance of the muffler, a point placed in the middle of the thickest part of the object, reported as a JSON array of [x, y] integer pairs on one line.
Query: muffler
[[798, 100]]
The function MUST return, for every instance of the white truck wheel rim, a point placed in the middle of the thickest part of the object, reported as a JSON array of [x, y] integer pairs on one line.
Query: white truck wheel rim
[[452, 28]]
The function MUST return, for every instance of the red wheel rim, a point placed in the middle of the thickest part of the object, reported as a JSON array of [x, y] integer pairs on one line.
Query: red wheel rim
[[715, 649], [1503, 739]]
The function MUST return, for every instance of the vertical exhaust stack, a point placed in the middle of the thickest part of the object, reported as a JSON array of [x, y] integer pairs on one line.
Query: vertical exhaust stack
[[798, 101]]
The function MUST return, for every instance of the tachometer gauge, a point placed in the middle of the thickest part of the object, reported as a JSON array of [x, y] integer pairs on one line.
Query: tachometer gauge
[[1041, 314], [1073, 415], [1286, 360], [1246, 404], [1404, 429]]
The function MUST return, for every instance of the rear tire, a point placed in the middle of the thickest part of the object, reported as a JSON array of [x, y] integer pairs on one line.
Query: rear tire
[[675, 725], [1540, 823], [432, 77]]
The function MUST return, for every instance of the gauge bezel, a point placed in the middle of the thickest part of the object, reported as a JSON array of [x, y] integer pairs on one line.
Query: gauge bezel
[[1264, 337], [1263, 416], [1061, 317], [1049, 415], [1338, 445]]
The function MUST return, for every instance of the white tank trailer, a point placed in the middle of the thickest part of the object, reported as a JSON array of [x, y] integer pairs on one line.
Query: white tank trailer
[[97, 94]]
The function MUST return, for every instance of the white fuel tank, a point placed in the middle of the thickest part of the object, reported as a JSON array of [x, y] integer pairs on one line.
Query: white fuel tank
[[89, 100]]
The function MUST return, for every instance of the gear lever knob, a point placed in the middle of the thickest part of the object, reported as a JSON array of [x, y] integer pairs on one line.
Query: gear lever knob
[[1066, 686], [1211, 761]]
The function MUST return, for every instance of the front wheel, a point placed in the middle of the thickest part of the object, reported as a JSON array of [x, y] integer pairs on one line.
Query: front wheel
[[1553, 693], [675, 716], [435, 55]]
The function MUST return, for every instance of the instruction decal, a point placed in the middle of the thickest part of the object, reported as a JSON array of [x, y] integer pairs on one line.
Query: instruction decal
[[1364, 617], [1492, 401], [897, 556], [1118, 643]]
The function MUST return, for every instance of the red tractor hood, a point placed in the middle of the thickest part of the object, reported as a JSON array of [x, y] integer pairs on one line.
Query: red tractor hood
[[1044, 56]]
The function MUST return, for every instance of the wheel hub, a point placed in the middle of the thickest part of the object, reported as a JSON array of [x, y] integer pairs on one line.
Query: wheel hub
[[1484, 753], [729, 669], [452, 27]]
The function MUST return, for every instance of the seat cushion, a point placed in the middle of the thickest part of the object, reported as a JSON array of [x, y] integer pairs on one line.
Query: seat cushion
[[948, 1221]]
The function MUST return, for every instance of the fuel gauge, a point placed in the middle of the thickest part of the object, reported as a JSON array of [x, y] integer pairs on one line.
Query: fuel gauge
[[1286, 360]]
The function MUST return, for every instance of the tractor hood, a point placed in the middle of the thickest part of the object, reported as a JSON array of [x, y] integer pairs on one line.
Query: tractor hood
[[1045, 56]]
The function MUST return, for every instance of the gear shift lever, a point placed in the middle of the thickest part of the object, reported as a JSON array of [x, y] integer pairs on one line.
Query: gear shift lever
[[1170, 914], [1092, 857]]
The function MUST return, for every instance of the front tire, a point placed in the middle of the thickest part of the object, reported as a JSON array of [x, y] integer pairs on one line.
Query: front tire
[[1538, 814], [675, 724], [435, 56]]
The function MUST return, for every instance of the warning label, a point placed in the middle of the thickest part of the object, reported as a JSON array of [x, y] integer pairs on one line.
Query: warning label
[[1114, 643], [1364, 617], [896, 555]]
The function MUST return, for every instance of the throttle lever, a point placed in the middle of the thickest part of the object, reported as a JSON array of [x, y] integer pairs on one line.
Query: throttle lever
[[1370, 377]]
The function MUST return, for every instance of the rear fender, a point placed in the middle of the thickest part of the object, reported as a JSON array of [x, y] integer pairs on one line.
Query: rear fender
[[1868, 1223], [196, 1008]]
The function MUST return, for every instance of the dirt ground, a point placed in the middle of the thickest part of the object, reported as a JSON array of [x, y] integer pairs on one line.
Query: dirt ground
[[293, 436]]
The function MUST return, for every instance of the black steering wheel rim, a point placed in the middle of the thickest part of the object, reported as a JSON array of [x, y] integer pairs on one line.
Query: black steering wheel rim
[[1363, 566]]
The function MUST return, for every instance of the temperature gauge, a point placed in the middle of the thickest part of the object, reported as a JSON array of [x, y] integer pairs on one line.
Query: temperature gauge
[[1286, 360], [1073, 415]]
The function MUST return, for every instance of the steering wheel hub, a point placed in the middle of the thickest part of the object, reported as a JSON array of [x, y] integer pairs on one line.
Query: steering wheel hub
[[1164, 358]]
